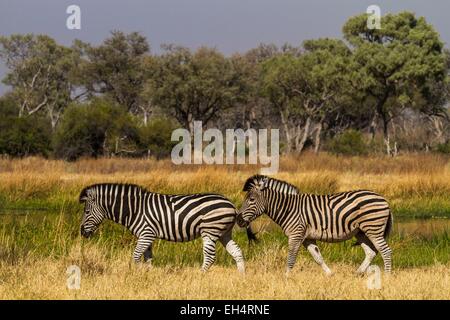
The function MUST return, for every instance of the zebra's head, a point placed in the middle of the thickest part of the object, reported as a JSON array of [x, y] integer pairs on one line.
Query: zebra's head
[[94, 213], [255, 203]]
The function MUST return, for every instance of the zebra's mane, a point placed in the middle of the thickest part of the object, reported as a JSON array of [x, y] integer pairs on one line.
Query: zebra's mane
[[84, 192], [270, 183]]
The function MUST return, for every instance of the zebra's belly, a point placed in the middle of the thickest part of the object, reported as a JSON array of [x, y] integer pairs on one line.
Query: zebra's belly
[[179, 237], [327, 236]]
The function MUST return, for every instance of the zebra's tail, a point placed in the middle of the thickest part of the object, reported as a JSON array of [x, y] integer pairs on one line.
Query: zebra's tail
[[388, 228], [251, 235]]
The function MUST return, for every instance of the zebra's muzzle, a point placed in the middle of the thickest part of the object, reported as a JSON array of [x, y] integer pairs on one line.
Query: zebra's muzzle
[[85, 233], [241, 222]]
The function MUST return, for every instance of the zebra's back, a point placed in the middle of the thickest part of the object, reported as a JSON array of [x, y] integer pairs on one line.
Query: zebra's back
[[340, 216], [188, 216]]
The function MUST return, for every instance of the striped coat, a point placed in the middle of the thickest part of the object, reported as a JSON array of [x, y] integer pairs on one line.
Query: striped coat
[[306, 218], [151, 216]]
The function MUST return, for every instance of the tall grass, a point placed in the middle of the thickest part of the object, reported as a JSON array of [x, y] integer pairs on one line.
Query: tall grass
[[35, 253], [416, 185], [36, 248]]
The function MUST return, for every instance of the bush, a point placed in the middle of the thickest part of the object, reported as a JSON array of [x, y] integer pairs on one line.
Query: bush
[[443, 147], [155, 137], [350, 142], [94, 129], [24, 136]]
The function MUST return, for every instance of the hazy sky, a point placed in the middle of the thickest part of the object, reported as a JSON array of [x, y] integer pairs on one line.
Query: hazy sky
[[229, 25]]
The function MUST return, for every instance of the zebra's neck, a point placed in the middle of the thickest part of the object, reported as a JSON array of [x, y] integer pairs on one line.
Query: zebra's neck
[[122, 203], [280, 205]]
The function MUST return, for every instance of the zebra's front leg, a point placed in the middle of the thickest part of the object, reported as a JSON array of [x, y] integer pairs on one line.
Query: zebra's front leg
[[209, 252], [295, 241], [317, 256], [148, 255], [143, 246], [234, 250]]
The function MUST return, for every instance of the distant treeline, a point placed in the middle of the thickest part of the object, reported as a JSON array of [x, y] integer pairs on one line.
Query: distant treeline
[[378, 90]]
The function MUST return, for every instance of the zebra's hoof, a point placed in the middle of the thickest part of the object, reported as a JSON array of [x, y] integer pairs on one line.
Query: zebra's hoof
[[148, 264], [360, 273]]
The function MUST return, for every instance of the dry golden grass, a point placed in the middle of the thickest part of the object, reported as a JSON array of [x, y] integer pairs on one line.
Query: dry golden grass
[[406, 181], [405, 177], [118, 278]]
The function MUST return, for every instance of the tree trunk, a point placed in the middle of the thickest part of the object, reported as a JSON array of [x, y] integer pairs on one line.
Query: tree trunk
[[54, 117], [317, 137], [145, 117], [385, 126], [373, 126], [287, 132], [146, 113], [388, 145], [301, 144], [190, 123], [384, 117]]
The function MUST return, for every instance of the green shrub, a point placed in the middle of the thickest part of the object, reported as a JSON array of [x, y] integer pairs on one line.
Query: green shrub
[[443, 147], [155, 137], [350, 142], [94, 129], [24, 136]]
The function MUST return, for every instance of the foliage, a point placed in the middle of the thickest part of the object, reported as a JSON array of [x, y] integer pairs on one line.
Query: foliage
[[396, 64], [444, 147], [94, 129], [22, 136], [114, 68], [350, 142], [40, 72], [155, 137], [377, 80], [194, 86]]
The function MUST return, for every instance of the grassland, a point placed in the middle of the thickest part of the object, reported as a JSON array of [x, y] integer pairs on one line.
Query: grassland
[[37, 248], [415, 185]]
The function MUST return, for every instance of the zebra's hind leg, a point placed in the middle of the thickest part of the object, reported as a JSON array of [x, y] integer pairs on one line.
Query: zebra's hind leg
[[315, 253], [209, 252], [234, 250], [383, 248], [369, 250]]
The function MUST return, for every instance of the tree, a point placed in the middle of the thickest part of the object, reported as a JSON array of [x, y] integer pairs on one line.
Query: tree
[[97, 128], [305, 88], [395, 63], [254, 109], [40, 73], [22, 136], [155, 137], [114, 68], [194, 86]]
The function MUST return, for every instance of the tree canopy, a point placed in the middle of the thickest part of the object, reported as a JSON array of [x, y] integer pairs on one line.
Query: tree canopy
[[389, 86]]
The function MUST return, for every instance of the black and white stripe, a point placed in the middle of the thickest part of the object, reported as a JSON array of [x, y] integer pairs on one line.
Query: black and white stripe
[[306, 218], [170, 217]]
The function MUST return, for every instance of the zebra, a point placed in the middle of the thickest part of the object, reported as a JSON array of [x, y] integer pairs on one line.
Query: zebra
[[151, 215], [306, 218]]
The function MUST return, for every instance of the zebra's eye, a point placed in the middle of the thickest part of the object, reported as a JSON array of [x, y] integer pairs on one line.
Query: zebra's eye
[[252, 199]]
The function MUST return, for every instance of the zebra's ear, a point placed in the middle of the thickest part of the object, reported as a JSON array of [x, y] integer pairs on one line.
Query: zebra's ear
[[263, 183]]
